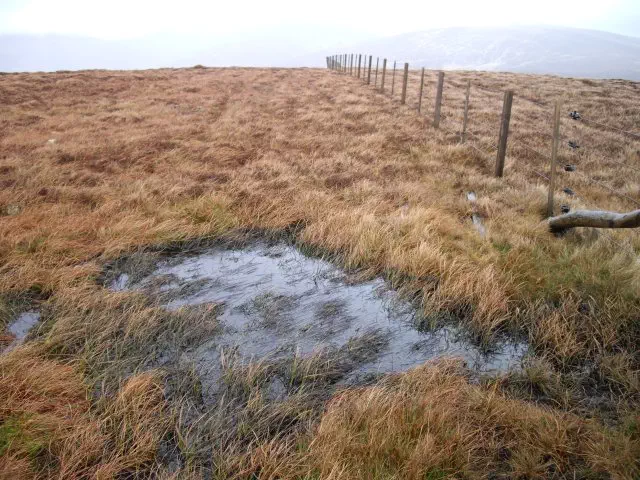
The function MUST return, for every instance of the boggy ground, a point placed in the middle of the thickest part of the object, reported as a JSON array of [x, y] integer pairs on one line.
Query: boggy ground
[[97, 165]]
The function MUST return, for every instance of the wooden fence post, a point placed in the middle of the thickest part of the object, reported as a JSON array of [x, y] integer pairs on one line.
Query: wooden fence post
[[344, 68], [352, 63], [384, 73], [359, 64], [465, 118], [421, 89], [504, 132], [369, 74], [403, 99], [436, 113], [393, 78], [554, 158], [375, 83]]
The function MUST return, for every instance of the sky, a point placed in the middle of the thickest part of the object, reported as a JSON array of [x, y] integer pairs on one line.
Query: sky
[[123, 19]]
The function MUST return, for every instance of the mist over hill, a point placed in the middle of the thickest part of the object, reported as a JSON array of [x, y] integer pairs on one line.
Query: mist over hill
[[284, 46], [567, 52], [544, 50]]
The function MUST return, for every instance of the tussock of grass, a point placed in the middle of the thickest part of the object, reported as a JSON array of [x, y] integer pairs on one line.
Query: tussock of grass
[[430, 423], [48, 429]]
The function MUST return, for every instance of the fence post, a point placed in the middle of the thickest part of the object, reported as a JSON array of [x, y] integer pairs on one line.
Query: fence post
[[404, 83], [465, 118], [369, 74], [393, 78], [344, 67], [384, 73], [359, 63], [375, 83], [436, 113], [504, 132], [421, 89], [554, 157], [352, 64]]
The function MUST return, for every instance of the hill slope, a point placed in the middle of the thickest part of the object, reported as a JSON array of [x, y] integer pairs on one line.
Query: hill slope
[[544, 50], [103, 172]]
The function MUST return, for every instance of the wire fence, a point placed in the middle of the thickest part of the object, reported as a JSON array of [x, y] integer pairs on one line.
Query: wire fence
[[580, 139]]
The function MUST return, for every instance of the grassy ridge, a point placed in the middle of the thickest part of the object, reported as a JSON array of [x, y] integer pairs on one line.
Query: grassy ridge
[[162, 157]]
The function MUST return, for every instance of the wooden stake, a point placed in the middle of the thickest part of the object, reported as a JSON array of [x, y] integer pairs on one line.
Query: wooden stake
[[554, 158], [393, 78], [403, 99], [465, 118], [377, 63], [384, 73], [436, 113], [504, 132], [421, 89], [369, 74], [359, 64]]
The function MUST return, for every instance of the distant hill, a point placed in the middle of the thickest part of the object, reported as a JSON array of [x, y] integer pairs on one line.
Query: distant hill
[[545, 50], [560, 51], [284, 46]]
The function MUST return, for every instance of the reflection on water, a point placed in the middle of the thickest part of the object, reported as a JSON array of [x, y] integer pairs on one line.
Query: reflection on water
[[276, 302]]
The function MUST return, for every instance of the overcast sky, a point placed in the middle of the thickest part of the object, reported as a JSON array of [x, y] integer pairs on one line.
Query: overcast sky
[[118, 19]]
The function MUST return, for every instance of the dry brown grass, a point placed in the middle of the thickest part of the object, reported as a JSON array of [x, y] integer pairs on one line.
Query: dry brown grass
[[166, 156]]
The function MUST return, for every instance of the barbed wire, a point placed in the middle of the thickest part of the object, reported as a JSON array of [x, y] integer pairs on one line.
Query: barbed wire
[[617, 129], [607, 187]]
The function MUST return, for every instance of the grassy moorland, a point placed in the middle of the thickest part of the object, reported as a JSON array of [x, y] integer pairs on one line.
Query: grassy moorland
[[98, 165]]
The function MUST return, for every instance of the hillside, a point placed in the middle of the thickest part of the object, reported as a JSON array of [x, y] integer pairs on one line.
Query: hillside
[[118, 180], [567, 52]]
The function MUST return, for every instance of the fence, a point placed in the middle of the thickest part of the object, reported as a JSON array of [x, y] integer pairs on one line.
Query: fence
[[374, 73]]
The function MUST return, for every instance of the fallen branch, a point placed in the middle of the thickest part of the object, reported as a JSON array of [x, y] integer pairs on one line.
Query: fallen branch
[[595, 219]]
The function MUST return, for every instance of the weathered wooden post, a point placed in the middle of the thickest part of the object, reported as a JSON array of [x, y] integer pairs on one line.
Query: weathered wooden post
[[384, 73], [504, 132], [465, 118], [436, 113], [421, 89], [369, 74], [403, 99], [375, 83], [554, 158], [393, 78], [359, 64]]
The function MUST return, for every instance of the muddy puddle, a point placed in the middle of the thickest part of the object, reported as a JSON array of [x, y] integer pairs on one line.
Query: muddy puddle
[[20, 327], [276, 303]]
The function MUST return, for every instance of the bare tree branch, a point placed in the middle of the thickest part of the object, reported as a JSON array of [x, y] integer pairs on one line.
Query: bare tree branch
[[595, 219]]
